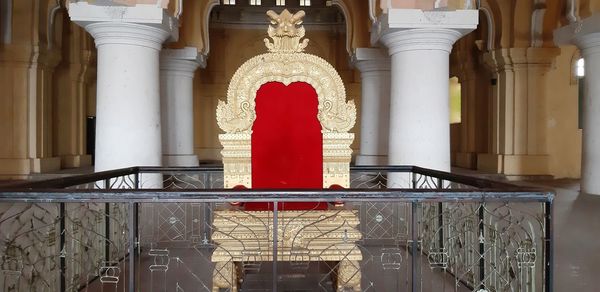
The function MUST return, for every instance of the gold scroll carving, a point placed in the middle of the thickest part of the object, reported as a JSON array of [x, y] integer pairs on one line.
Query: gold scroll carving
[[286, 63]]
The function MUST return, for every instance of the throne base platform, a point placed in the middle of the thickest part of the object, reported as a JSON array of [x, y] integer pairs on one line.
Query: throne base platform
[[245, 244]]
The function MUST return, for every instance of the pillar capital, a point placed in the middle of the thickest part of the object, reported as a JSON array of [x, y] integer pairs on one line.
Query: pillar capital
[[371, 60], [498, 60], [589, 44], [585, 34], [181, 61], [140, 25], [415, 29], [122, 33], [420, 39], [533, 57], [508, 59]]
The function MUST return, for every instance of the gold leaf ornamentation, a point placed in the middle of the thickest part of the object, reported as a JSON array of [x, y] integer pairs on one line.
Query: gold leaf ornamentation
[[238, 113], [286, 63], [286, 31]]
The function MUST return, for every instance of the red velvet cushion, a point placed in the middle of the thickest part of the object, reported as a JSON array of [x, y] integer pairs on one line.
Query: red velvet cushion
[[287, 144]]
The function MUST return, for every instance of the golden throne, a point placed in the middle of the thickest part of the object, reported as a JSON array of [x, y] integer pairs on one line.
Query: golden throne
[[286, 123]]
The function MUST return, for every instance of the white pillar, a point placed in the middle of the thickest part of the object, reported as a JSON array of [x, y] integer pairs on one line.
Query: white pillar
[[419, 115], [586, 35], [590, 171], [128, 126], [374, 66], [177, 69], [420, 43], [128, 101]]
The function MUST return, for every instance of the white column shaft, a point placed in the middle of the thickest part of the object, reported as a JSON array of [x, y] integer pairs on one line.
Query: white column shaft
[[374, 65], [585, 34], [128, 130], [128, 108], [176, 80], [419, 107], [375, 113], [177, 116], [590, 170], [419, 110]]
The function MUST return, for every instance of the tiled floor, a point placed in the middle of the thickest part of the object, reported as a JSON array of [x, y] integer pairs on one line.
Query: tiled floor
[[576, 236]]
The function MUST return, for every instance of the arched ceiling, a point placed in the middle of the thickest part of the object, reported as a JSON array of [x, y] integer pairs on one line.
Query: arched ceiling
[[525, 23], [512, 23], [196, 13]]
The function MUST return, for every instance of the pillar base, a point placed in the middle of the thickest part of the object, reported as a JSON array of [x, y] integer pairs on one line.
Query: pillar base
[[371, 159], [180, 160], [489, 162], [514, 165], [42, 165], [590, 190], [13, 168], [73, 161], [466, 160], [209, 154]]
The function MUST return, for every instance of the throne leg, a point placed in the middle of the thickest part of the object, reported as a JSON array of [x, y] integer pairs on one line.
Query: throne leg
[[225, 276], [348, 277]]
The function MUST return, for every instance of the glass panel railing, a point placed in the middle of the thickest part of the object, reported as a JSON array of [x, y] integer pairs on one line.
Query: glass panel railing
[[440, 232]]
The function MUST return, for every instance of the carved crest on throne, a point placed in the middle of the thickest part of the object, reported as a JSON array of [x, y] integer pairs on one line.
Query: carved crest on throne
[[286, 30]]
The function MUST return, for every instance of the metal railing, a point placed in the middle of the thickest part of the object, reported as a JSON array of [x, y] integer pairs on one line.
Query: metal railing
[[419, 230]]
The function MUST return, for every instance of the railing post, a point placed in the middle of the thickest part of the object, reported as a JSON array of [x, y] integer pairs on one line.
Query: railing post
[[440, 219], [275, 239], [107, 225], [414, 247], [549, 254], [136, 180], [133, 232], [481, 246], [131, 223], [63, 262], [208, 209], [136, 227]]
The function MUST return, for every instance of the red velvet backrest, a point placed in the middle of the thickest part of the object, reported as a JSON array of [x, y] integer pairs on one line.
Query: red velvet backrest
[[287, 144]]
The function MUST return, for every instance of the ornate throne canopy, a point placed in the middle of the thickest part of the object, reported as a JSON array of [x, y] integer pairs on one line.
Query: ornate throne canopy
[[286, 63], [289, 95]]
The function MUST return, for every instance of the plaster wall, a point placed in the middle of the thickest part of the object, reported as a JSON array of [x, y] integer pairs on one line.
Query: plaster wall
[[27, 64], [556, 107], [72, 77], [564, 135]]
